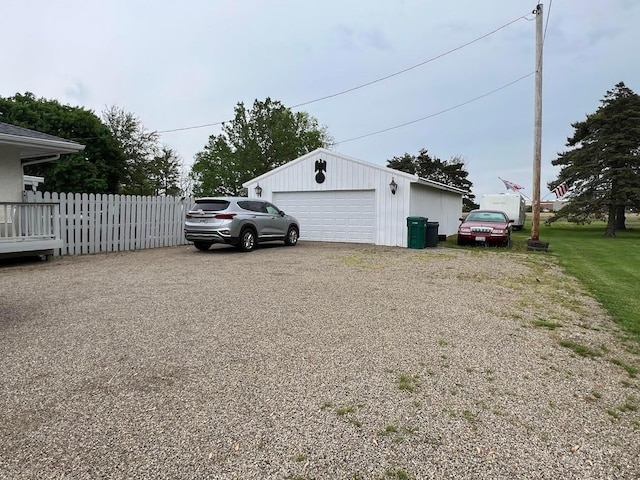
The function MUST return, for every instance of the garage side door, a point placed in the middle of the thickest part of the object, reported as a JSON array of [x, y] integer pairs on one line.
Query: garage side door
[[332, 216]]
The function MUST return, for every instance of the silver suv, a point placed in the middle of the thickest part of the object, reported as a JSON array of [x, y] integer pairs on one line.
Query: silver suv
[[240, 221]]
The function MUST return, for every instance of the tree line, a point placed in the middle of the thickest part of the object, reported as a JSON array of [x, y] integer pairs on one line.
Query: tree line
[[120, 156]]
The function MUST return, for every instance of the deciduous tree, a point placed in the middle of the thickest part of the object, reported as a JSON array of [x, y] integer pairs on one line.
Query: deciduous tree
[[164, 173], [97, 169], [139, 146], [254, 142]]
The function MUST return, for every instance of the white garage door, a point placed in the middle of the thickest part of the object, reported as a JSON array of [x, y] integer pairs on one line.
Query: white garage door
[[332, 216]]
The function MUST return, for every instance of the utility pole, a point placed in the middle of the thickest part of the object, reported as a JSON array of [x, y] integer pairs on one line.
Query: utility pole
[[537, 128]]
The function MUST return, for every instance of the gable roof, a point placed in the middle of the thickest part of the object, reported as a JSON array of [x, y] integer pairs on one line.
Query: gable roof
[[412, 178], [33, 144]]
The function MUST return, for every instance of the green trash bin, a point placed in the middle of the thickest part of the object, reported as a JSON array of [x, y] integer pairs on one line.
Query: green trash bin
[[431, 237], [416, 232]]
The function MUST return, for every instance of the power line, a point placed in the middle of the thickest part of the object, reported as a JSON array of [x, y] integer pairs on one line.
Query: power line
[[372, 82], [191, 128], [460, 47], [437, 113], [544, 36]]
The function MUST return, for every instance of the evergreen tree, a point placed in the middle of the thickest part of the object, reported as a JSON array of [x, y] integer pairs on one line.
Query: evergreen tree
[[603, 164]]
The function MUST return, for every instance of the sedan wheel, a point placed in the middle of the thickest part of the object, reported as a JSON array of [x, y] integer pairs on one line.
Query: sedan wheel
[[247, 240], [292, 237]]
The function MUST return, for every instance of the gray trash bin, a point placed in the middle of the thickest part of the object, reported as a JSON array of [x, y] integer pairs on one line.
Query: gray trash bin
[[432, 234]]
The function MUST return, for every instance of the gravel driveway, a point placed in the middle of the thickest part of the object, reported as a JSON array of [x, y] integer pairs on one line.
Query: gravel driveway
[[323, 361]]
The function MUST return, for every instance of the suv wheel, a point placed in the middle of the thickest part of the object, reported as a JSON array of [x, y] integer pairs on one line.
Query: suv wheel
[[247, 240], [201, 245], [292, 236]]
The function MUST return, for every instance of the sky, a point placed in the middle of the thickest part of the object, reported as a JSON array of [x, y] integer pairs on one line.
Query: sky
[[188, 63]]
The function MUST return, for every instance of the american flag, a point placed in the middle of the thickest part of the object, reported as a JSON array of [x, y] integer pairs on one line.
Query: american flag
[[561, 189], [511, 186]]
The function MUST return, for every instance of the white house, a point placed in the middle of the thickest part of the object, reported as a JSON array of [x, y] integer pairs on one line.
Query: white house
[[20, 147], [337, 198], [27, 227]]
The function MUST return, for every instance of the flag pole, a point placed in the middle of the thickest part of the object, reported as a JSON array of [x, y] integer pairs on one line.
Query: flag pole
[[523, 195], [507, 183]]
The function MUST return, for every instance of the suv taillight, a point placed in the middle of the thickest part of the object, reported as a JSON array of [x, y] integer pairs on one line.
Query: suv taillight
[[225, 216]]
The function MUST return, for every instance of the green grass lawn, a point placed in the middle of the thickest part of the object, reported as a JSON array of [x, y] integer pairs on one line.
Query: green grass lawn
[[608, 267]]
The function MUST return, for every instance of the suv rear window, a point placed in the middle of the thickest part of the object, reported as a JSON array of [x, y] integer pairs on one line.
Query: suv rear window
[[211, 205]]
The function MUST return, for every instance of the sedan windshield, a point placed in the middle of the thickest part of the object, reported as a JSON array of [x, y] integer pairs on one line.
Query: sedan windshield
[[495, 217]]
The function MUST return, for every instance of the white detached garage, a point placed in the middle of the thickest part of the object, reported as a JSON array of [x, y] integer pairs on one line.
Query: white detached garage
[[337, 198]]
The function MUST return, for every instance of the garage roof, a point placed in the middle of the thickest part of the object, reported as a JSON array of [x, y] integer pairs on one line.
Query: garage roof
[[398, 173]]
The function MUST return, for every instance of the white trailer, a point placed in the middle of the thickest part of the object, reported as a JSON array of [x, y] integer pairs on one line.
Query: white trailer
[[511, 204]]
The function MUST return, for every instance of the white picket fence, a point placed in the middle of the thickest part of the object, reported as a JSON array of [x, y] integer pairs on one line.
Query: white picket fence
[[92, 223]]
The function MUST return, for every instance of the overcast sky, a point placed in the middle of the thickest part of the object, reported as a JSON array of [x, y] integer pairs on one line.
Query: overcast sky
[[180, 64]]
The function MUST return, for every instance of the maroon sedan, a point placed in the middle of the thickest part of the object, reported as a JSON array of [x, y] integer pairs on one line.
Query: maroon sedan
[[485, 227]]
